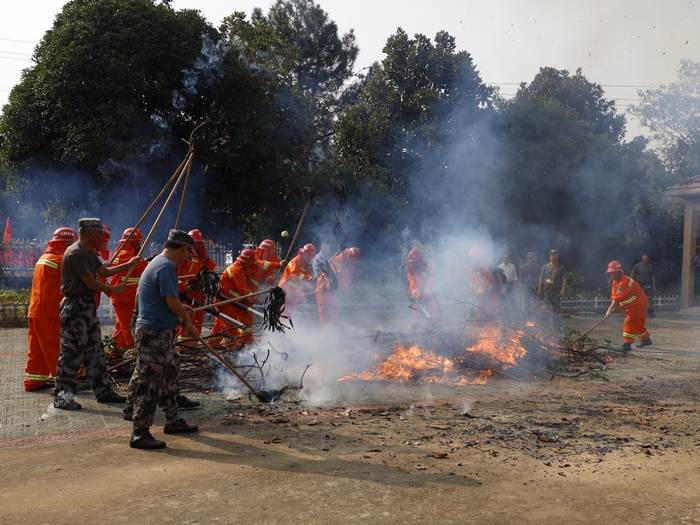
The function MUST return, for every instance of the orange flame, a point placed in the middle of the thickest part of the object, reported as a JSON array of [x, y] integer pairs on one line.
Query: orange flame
[[492, 349]]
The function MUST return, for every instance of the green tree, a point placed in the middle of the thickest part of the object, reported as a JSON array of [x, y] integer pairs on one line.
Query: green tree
[[566, 174], [99, 75], [413, 125], [672, 113], [580, 95]]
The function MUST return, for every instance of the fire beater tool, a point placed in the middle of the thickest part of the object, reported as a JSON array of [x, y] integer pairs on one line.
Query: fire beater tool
[[310, 195], [229, 301], [263, 395], [229, 320], [425, 313], [160, 215], [584, 334], [243, 307], [175, 176]]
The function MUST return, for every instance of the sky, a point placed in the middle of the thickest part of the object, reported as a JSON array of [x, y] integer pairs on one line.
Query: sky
[[624, 45]]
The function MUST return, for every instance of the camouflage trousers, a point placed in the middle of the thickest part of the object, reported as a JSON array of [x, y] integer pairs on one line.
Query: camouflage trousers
[[81, 344], [155, 379]]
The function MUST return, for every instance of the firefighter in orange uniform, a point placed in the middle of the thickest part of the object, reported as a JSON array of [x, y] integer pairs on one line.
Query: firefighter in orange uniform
[[267, 263], [420, 290], [629, 296], [236, 281], [298, 278], [482, 284], [189, 286], [43, 336], [102, 250], [342, 266], [124, 303]]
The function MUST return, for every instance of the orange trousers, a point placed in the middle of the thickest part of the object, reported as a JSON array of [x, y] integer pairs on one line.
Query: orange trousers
[[43, 341], [245, 335], [197, 321], [122, 332], [635, 322], [327, 309]]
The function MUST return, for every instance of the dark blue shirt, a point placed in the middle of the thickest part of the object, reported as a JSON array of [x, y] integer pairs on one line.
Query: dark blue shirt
[[157, 281]]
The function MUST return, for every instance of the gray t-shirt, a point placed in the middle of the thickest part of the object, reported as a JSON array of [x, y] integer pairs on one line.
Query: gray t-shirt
[[77, 262], [529, 273], [642, 274], [552, 278]]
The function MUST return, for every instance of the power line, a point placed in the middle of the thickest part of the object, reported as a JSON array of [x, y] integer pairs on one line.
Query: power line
[[15, 58], [12, 53], [22, 41], [601, 85]]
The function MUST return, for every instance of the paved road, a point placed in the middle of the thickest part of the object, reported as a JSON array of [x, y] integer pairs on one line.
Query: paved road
[[28, 417]]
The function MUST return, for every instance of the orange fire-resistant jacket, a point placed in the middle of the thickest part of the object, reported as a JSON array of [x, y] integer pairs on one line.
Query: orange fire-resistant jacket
[[129, 296], [480, 280], [192, 267], [419, 285], [344, 268], [629, 294], [43, 340], [297, 277], [46, 284], [236, 281], [265, 270]]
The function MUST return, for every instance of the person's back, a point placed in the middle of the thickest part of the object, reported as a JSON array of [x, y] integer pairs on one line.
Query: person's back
[[157, 281]]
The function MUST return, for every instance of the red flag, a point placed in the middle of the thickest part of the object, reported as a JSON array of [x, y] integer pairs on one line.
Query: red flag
[[8, 232]]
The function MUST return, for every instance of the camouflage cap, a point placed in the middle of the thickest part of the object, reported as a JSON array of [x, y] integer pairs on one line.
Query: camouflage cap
[[554, 252], [91, 225], [181, 238], [530, 254]]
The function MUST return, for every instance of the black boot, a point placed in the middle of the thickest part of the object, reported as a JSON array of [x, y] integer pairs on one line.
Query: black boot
[[644, 342], [183, 402], [145, 441], [179, 427], [626, 347]]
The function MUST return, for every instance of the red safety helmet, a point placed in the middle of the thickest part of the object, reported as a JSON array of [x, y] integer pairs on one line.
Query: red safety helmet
[[352, 253], [267, 246], [196, 235], [414, 256], [137, 236], [308, 252], [613, 267], [64, 234], [107, 233], [247, 256]]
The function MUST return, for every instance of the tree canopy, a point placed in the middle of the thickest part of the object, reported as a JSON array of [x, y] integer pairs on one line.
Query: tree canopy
[[423, 146], [672, 113]]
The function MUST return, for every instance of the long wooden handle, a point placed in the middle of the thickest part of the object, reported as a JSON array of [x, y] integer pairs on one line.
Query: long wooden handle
[[160, 215], [153, 204], [229, 301], [184, 193], [296, 233], [229, 366], [584, 334]]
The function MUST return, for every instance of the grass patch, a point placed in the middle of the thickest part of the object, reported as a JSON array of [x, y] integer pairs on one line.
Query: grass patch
[[18, 296]]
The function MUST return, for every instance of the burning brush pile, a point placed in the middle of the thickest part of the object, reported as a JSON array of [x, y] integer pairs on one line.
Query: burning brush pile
[[471, 357]]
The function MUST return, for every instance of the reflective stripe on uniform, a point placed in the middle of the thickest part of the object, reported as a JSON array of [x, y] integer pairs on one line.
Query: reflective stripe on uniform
[[48, 263], [628, 301], [37, 377]]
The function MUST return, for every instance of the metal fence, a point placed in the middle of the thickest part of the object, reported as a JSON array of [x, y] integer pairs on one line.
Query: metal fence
[[18, 312]]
